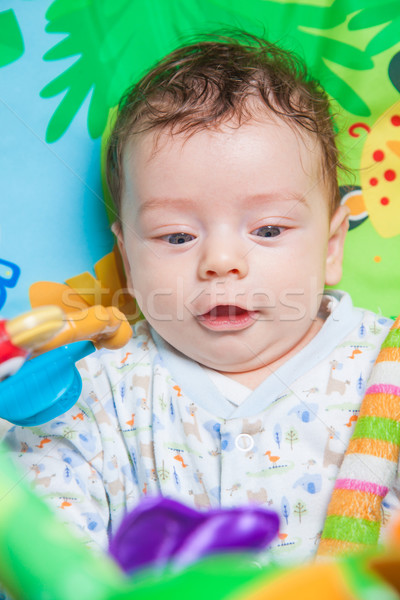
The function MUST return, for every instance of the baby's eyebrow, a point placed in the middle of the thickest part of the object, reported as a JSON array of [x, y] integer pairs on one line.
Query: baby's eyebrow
[[163, 202], [281, 196], [253, 200]]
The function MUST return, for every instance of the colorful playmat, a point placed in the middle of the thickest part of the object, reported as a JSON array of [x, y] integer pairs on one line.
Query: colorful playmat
[[65, 63]]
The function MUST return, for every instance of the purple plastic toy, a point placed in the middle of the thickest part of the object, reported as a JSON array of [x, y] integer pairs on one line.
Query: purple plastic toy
[[161, 531]]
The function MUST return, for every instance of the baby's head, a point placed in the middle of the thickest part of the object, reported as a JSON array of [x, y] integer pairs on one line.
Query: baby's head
[[208, 83], [222, 166]]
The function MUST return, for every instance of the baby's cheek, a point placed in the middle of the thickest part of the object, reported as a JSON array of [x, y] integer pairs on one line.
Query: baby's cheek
[[159, 305]]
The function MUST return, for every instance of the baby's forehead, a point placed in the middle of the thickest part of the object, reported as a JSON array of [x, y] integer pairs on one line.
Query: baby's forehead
[[259, 157], [147, 145]]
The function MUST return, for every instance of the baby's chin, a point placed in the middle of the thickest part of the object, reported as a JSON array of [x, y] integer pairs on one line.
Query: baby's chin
[[251, 353], [245, 368]]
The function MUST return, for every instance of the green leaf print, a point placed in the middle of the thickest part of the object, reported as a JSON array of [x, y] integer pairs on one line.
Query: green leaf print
[[321, 35], [386, 38], [11, 40], [387, 14], [337, 87], [109, 44], [378, 14]]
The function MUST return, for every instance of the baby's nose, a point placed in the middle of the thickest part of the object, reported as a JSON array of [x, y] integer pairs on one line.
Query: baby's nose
[[221, 258]]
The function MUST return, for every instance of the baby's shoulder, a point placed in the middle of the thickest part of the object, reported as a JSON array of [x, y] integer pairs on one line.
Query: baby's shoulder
[[374, 325], [367, 337], [138, 353]]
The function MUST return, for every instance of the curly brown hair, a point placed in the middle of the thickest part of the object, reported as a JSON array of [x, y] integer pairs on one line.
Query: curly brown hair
[[209, 82]]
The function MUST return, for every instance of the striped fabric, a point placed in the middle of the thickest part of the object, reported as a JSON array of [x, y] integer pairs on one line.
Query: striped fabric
[[370, 463]]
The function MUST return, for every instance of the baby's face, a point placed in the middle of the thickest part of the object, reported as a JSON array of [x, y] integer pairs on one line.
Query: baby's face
[[227, 241]]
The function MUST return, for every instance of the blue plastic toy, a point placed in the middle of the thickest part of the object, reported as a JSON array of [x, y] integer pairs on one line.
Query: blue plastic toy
[[44, 387]]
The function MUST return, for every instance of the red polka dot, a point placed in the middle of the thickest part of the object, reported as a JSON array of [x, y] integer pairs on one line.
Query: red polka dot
[[390, 175], [373, 181], [378, 155], [385, 201], [395, 120]]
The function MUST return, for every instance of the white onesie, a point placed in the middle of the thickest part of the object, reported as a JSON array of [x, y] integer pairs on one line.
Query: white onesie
[[152, 421]]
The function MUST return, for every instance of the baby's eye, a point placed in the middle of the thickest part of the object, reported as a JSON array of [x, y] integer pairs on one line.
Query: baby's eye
[[178, 238], [268, 231]]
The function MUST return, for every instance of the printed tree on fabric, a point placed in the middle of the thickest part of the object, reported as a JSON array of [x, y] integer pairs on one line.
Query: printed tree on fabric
[[292, 437], [300, 509], [125, 41]]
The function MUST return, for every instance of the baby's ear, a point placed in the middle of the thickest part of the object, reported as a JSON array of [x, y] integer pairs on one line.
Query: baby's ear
[[337, 234], [116, 228]]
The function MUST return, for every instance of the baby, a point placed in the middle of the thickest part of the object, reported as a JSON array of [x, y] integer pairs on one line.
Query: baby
[[244, 380]]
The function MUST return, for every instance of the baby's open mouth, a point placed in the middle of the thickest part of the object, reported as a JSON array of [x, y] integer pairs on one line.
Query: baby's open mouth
[[227, 311], [227, 317]]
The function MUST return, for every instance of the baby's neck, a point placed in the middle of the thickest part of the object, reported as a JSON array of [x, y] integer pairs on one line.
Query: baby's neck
[[250, 379]]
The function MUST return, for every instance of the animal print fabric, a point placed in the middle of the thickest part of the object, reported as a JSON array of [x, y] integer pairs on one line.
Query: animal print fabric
[[139, 429]]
